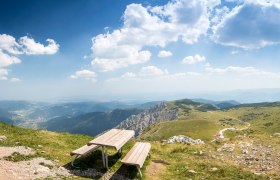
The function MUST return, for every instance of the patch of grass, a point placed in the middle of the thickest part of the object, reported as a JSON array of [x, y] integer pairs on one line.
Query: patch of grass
[[16, 157], [50, 145], [46, 165], [197, 129]]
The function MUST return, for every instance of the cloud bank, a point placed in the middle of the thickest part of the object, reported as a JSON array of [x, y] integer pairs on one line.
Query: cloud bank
[[10, 49], [254, 24], [184, 20]]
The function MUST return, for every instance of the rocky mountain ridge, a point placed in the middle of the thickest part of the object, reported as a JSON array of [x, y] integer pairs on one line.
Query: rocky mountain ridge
[[158, 113]]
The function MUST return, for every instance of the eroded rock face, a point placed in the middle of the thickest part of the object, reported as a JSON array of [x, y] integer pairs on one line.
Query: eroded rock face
[[184, 140], [156, 114]]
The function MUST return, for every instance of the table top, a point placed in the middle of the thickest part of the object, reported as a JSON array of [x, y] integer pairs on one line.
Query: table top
[[113, 138]]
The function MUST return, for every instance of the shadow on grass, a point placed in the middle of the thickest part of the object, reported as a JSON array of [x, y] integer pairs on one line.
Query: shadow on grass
[[91, 166], [126, 171]]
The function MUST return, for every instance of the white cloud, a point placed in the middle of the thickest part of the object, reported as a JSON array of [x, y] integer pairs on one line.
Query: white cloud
[[254, 24], [26, 45], [10, 49], [152, 71], [8, 43], [86, 74], [128, 75], [193, 59], [150, 26], [3, 74], [15, 80], [31, 47], [7, 60], [182, 75], [163, 54], [249, 71]]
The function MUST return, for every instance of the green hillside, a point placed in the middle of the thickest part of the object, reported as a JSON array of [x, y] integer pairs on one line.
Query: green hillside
[[261, 129], [174, 160], [255, 152]]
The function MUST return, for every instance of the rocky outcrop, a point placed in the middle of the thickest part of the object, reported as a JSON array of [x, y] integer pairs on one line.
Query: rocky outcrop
[[156, 114], [184, 140]]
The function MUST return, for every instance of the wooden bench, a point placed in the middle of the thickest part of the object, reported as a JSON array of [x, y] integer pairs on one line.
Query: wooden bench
[[137, 155], [83, 151]]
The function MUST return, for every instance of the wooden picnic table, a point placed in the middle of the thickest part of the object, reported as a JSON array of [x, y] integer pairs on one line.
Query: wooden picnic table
[[115, 138]]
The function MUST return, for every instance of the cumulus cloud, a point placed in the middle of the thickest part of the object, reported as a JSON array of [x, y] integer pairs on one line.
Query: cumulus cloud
[[152, 71], [8, 43], [86, 74], [3, 74], [254, 24], [26, 45], [10, 48], [128, 75], [163, 54], [193, 59], [184, 20], [31, 47], [7, 60]]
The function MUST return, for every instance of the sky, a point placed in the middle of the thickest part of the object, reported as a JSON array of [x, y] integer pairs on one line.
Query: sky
[[110, 49]]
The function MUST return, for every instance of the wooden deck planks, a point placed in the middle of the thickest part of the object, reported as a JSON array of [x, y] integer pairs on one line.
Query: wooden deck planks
[[114, 138], [105, 137], [124, 139]]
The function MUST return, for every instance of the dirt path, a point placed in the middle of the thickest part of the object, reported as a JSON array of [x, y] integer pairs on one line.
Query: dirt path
[[155, 169], [220, 134], [32, 169]]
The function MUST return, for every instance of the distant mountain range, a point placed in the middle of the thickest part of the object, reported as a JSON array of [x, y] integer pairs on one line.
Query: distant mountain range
[[92, 118], [89, 123], [219, 104], [30, 114]]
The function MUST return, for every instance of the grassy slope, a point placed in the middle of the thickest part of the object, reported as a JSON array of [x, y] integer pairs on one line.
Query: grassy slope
[[54, 145], [195, 124], [264, 122], [181, 157]]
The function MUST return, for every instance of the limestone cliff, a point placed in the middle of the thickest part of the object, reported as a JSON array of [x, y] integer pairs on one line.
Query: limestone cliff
[[156, 114]]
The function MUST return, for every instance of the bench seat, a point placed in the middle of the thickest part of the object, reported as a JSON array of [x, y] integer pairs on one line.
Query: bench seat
[[83, 151], [137, 155]]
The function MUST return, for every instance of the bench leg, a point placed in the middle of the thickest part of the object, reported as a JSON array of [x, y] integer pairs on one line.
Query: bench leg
[[106, 158], [103, 157], [139, 172], [72, 163], [120, 151]]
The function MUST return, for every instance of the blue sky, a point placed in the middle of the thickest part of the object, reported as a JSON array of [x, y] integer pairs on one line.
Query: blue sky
[[106, 49]]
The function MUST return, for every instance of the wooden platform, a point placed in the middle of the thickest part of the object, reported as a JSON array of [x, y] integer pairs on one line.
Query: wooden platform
[[137, 155]]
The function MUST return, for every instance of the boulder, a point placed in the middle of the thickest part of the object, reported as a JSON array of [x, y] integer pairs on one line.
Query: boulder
[[184, 140], [3, 138]]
